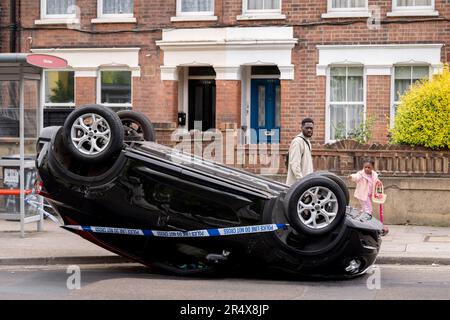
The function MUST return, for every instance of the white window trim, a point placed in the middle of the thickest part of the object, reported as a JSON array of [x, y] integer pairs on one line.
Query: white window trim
[[43, 91], [393, 102], [263, 14], [99, 88], [362, 12], [328, 102], [401, 11], [114, 20]]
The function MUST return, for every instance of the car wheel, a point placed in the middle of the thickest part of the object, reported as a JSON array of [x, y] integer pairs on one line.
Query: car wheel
[[93, 133], [137, 127], [338, 180], [315, 205]]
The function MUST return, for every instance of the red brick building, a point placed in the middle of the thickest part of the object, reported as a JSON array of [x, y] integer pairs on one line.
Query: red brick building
[[251, 64]]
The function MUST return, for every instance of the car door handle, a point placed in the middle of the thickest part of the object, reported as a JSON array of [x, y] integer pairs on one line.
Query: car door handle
[[269, 133]]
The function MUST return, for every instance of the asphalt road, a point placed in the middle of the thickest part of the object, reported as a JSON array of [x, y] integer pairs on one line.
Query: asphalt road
[[131, 281]]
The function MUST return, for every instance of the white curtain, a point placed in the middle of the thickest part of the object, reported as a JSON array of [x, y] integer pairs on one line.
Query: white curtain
[[411, 3], [348, 3], [196, 5], [354, 117], [263, 4], [337, 119], [337, 85], [59, 6], [117, 6], [355, 88]]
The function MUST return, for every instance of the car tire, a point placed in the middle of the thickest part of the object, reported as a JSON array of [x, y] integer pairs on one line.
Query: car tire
[[315, 205], [93, 133], [338, 180], [137, 127]]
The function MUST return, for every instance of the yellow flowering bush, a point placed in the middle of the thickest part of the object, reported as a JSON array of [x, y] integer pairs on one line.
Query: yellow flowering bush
[[423, 115]]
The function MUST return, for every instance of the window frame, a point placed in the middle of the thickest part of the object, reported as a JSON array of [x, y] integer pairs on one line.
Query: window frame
[[411, 11], [329, 102], [101, 15], [355, 9], [394, 103], [194, 13], [45, 16], [99, 89], [43, 90], [396, 7], [246, 11]]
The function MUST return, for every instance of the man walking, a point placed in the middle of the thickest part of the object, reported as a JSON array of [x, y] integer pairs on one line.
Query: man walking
[[300, 158]]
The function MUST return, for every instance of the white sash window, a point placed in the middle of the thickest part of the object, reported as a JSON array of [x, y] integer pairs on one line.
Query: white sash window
[[413, 8], [195, 7], [346, 101], [116, 8], [265, 6], [58, 8]]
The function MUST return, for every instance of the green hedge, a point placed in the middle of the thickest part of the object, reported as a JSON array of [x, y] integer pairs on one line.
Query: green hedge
[[423, 115]]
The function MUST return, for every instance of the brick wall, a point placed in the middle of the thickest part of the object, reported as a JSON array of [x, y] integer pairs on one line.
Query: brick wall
[[378, 105], [228, 103], [85, 90], [5, 21]]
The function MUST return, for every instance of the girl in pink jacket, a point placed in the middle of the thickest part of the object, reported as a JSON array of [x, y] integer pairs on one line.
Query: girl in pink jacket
[[365, 180]]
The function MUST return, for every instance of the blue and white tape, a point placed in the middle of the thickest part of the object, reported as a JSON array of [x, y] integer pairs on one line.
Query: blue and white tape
[[160, 233], [31, 200], [182, 234]]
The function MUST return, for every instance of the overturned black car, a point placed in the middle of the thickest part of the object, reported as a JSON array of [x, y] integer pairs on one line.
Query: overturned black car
[[182, 214]]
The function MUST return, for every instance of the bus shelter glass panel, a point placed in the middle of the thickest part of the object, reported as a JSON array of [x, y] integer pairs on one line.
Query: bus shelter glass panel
[[10, 95]]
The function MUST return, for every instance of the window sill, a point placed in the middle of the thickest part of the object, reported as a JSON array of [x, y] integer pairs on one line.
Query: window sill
[[411, 13], [261, 17], [193, 18], [114, 20], [357, 14], [57, 21]]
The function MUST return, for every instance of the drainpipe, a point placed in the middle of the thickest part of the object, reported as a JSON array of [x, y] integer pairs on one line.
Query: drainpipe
[[13, 20]]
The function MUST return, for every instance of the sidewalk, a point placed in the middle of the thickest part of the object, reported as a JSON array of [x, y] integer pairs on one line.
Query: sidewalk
[[403, 245]]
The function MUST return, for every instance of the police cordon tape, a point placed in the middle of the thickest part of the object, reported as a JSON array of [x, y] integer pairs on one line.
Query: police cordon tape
[[160, 233], [32, 201], [182, 234]]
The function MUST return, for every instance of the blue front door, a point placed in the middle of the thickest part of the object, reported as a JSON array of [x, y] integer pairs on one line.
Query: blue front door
[[265, 111]]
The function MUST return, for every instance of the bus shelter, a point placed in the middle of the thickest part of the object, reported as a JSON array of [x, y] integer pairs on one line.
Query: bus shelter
[[21, 119]]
